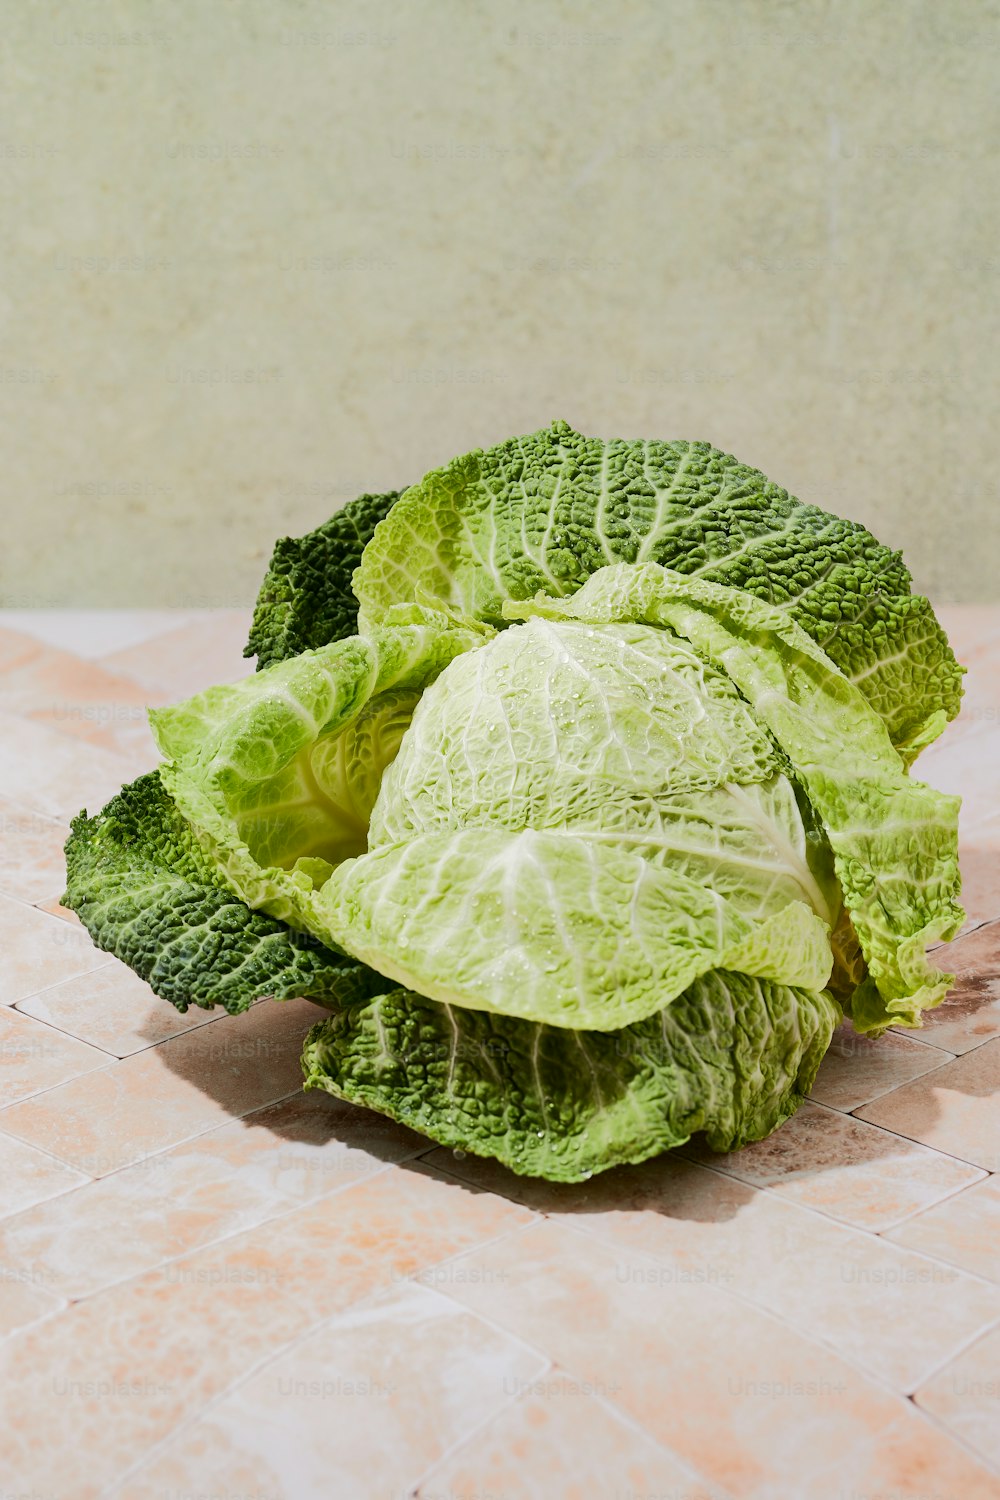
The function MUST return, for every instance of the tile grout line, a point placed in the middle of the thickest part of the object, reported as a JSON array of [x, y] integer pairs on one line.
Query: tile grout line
[[965, 1187], [874, 1236], [538, 1217], [202, 1411], [184, 1141], [961, 1349], [50, 1088], [59, 1032], [773, 1187], [112, 1059], [262, 1364], [551, 1365], [851, 1226], [871, 1234], [990, 1466], [940, 1051], [716, 1490], [265, 1360], [941, 1060], [816, 1340], [921, 1041], [546, 1363], [115, 1056], [902, 1398], [435, 1292], [286, 1209], [33, 1146], [152, 1155], [283, 1208], [900, 1135]]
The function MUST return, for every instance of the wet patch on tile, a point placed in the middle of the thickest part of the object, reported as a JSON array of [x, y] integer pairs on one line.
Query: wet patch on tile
[[955, 1109], [858, 1069]]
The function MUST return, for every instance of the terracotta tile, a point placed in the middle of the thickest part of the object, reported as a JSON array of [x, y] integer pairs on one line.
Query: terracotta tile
[[169, 1093], [92, 633], [54, 773], [114, 1009], [858, 1069], [28, 1176], [970, 1015], [172, 1203], [375, 1396], [220, 1183], [913, 1459], [56, 909], [969, 767], [980, 696], [979, 857], [39, 950], [955, 1109], [131, 1363], [34, 1057], [309, 1145], [757, 1408], [16, 648], [891, 1312], [965, 1230], [240, 1237], [972, 629], [198, 654], [846, 1168], [22, 1302], [32, 866], [413, 1218], [83, 700], [559, 1442], [965, 1396]]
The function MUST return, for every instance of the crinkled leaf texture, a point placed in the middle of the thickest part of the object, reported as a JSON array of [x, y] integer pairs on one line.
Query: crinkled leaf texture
[[894, 840], [551, 877], [733, 1056], [590, 810], [578, 823], [306, 598], [545, 511], [553, 927], [278, 772], [574, 872], [147, 892]]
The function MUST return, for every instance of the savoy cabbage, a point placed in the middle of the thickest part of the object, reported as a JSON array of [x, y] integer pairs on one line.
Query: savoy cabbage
[[587, 815]]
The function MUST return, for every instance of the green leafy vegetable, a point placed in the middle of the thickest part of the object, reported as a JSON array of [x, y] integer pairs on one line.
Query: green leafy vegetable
[[895, 841], [545, 511], [306, 600], [146, 891], [278, 773], [732, 1057], [578, 826], [555, 928], [526, 855]]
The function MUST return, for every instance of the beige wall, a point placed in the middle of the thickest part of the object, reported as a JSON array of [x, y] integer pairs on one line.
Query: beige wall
[[772, 226]]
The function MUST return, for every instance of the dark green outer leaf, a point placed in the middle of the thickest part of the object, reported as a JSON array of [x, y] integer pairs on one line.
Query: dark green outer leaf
[[146, 892], [306, 599], [542, 512], [732, 1056]]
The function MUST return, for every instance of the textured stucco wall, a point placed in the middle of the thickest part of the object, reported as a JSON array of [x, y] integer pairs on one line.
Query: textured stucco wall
[[257, 257]]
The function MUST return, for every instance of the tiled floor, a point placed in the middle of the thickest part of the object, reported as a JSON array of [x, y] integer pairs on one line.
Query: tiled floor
[[214, 1285]]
